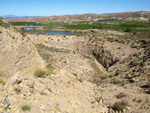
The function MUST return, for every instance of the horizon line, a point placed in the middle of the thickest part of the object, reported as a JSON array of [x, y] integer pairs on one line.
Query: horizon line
[[69, 14]]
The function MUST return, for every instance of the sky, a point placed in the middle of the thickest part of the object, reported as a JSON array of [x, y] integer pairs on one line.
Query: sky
[[71, 7]]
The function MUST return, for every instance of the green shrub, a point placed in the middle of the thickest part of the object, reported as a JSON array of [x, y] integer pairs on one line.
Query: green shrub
[[18, 30], [40, 73], [2, 81], [148, 84], [13, 37], [127, 30], [25, 108], [75, 74], [1, 18], [105, 76], [111, 75], [120, 106], [81, 80]]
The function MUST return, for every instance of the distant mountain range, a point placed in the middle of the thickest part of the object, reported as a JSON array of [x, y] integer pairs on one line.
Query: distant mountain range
[[16, 17], [141, 15]]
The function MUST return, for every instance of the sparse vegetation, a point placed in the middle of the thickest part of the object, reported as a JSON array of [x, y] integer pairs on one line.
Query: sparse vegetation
[[18, 30], [1, 18], [41, 47], [40, 73], [120, 106], [75, 74], [25, 108], [148, 84], [127, 30], [6, 25], [13, 37], [106, 75], [2, 81], [81, 80]]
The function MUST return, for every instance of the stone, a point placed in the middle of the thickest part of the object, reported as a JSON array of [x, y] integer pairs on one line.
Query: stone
[[10, 99], [30, 85]]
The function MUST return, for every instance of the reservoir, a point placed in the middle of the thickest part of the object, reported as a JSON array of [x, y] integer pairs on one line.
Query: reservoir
[[50, 32]]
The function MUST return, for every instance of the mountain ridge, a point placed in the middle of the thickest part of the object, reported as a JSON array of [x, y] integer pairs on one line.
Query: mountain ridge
[[145, 15]]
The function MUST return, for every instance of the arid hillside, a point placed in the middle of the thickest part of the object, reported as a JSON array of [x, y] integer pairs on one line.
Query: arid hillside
[[17, 53], [87, 17], [30, 84], [119, 67], [95, 71]]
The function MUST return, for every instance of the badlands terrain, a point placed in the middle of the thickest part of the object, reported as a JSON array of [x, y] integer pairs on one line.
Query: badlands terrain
[[96, 71]]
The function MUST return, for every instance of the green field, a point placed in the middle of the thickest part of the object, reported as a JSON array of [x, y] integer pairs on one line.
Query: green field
[[134, 26], [23, 23]]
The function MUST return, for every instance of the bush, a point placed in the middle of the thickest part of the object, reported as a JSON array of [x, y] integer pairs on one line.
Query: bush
[[75, 74], [120, 106], [25, 108], [2, 81], [81, 80], [40, 73], [148, 84], [1, 18], [105, 76], [127, 30]]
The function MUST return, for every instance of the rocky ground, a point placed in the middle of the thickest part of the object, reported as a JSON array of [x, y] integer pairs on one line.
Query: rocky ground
[[121, 67], [92, 72]]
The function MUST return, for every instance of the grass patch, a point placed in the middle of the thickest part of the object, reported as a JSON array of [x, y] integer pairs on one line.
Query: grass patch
[[124, 25], [2, 81], [120, 106], [75, 74], [43, 52], [26, 108], [6, 25], [41, 73], [105, 76], [41, 47], [81, 80], [18, 30], [148, 84]]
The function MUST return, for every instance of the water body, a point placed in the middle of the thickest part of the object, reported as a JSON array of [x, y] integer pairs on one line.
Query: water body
[[50, 32]]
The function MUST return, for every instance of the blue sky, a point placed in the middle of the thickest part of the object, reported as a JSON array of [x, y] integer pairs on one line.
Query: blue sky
[[63, 7]]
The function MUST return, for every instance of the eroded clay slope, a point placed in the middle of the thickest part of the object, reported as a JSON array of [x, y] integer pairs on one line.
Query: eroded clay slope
[[17, 53]]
